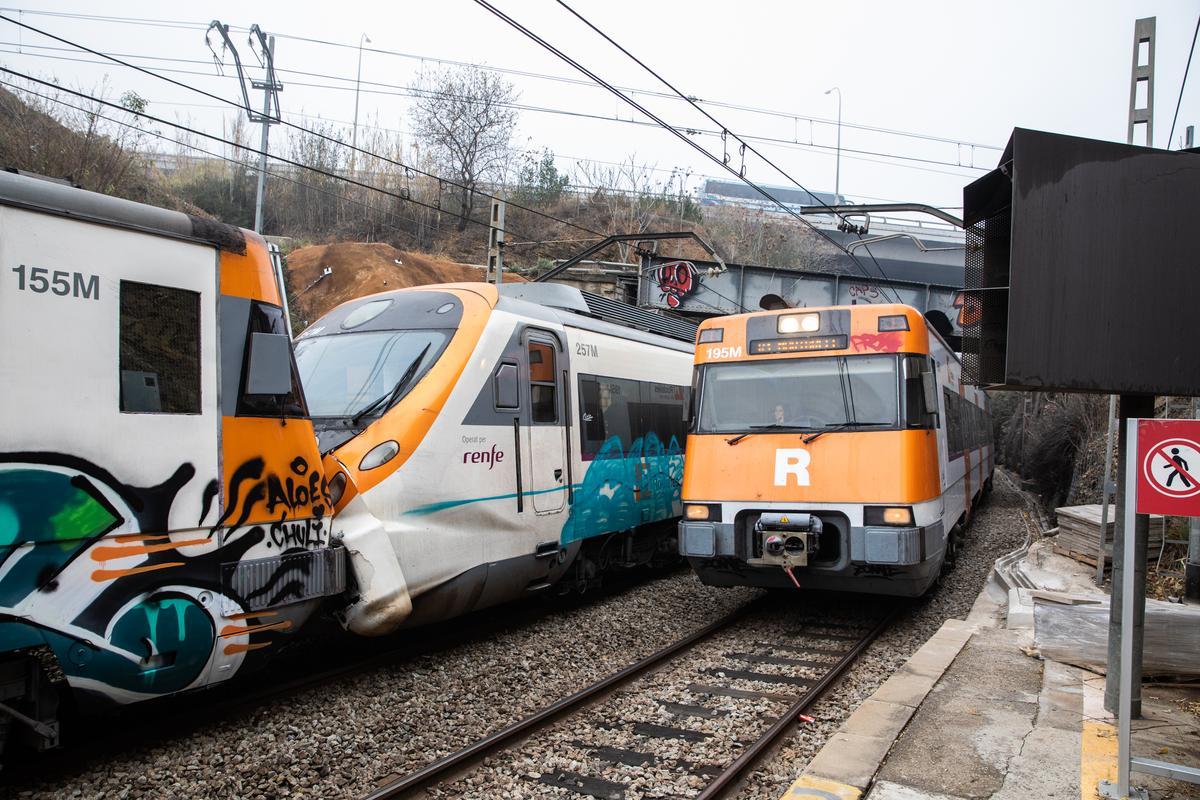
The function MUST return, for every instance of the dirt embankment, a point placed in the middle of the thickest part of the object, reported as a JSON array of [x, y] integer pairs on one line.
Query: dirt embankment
[[359, 268]]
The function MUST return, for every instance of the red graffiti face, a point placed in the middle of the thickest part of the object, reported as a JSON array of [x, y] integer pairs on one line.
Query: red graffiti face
[[878, 342], [676, 280]]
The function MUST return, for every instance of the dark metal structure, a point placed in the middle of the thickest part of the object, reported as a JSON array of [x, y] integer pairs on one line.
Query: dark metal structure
[[1080, 273]]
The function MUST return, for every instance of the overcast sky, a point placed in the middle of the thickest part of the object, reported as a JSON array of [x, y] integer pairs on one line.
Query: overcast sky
[[963, 72]]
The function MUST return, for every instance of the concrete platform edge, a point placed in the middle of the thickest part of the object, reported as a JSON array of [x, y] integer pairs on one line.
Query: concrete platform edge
[[853, 755]]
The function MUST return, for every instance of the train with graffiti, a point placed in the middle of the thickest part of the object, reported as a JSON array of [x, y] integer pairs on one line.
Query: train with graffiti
[[164, 512], [484, 444], [831, 448]]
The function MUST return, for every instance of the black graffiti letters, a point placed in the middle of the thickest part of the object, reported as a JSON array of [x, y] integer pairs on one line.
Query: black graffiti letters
[[307, 534]]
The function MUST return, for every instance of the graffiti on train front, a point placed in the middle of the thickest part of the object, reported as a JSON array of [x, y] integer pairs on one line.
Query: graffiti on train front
[[129, 597], [621, 490]]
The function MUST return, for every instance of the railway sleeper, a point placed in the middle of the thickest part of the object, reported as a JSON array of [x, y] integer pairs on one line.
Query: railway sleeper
[[666, 732], [761, 677], [783, 661], [584, 784], [741, 694]]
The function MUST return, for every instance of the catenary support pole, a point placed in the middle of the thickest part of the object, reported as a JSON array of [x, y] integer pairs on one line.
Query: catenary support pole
[[1101, 555], [1132, 407], [1191, 569]]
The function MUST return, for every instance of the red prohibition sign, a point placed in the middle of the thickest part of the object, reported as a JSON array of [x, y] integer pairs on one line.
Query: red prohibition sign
[[1172, 467]]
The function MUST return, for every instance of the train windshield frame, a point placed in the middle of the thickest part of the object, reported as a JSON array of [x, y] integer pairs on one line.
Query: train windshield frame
[[800, 394], [347, 374]]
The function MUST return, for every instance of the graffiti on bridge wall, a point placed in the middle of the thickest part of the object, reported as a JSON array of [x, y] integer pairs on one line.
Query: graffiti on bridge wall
[[676, 280]]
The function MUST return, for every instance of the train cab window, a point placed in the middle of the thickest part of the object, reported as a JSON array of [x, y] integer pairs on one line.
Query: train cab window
[[920, 393], [159, 358], [507, 389], [253, 401], [543, 394]]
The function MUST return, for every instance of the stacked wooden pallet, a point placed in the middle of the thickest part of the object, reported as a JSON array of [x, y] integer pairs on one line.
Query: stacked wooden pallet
[[1079, 533]]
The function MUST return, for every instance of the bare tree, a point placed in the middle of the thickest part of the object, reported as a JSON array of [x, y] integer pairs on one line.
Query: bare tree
[[465, 119]]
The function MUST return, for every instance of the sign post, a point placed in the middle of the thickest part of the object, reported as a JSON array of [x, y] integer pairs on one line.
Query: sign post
[[1162, 472]]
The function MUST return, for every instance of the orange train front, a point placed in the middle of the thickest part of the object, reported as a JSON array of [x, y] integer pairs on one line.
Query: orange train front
[[830, 448]]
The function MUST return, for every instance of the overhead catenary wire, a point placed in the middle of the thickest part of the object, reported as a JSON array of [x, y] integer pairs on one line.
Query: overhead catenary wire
[[183, 24], [294, 126], [409, 168], [691, 101], [246, 147], [1183, 83], [209, 153], [399, 90], [723, 163]]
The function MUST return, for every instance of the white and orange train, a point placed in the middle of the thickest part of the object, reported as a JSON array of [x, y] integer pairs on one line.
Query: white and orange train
[[484, 445], [830, 448], [164, 520]]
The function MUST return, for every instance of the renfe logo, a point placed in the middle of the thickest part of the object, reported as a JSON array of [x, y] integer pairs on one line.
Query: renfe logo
[[490, 457], [791, 461]]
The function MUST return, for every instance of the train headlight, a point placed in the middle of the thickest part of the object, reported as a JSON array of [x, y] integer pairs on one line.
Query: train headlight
[[710, 335], [337, 488], [696, 512], [799, 323], [901, 516], [379, 455], [894, 322]]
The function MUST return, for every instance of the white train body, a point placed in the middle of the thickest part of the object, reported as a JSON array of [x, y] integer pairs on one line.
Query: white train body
[[526, 443]]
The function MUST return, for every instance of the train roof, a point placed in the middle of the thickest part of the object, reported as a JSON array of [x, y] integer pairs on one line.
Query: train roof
[[589, 311], [50, 196]]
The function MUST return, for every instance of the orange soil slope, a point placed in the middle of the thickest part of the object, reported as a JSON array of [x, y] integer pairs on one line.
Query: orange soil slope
[[360, 269]]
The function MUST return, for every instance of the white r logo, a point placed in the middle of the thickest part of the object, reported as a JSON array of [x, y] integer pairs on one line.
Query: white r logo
[[791, 462]]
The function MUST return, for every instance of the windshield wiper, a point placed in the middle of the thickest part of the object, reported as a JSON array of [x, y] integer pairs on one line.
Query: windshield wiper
[[841, 426], [760, 428], [386, 401]]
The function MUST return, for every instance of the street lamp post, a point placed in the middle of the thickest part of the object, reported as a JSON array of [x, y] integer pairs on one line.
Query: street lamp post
[[357, 81], [837, 180]]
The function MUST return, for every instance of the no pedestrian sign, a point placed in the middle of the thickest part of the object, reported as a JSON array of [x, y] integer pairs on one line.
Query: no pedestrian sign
[[1168, 456]]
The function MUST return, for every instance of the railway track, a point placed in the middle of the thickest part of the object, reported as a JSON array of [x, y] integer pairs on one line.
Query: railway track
[[307, 666], [705, 714]]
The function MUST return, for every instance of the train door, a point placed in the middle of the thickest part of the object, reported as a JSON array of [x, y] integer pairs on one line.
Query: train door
[[545, 438]]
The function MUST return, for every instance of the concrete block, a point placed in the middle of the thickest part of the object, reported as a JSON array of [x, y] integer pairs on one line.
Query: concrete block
[[1020, 609], [904, 687], [874, 718], [849, 758]]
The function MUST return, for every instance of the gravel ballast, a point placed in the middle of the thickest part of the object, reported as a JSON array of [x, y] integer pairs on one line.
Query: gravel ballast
[[343, 739]]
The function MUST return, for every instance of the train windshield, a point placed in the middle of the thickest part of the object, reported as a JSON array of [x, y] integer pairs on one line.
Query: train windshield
[[356, 374], [808, 394]]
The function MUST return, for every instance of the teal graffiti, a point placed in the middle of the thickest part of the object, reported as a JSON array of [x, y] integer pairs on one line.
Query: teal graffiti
[[622, 490], [158, 645], [51, 515]]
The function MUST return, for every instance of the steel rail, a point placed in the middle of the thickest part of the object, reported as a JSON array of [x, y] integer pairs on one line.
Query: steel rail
[[497, 741], [755, 751]]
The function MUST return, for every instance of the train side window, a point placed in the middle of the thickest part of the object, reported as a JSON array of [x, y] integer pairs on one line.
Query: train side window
[[954, 437], [159, 358], [543, 388], [610, 408], [507, 388], [663, 411]]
